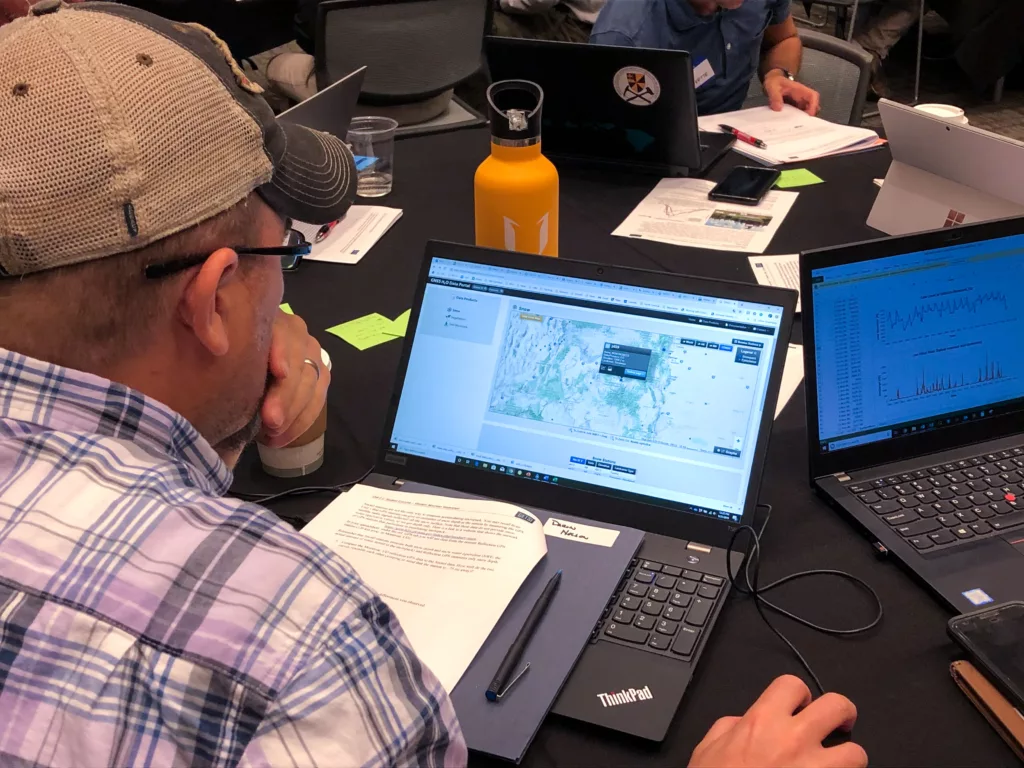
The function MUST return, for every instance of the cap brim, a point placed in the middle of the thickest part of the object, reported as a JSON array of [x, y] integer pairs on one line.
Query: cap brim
[[315, 178]]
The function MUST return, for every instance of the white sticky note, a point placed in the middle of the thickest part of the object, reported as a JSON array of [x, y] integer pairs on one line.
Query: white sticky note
[[589, 534], [702, 73]]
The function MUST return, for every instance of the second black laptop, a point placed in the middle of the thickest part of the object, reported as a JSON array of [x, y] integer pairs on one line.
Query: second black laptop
[[608, 106]]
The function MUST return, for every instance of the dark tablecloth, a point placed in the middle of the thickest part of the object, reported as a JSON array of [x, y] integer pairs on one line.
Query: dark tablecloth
[[911, 713]]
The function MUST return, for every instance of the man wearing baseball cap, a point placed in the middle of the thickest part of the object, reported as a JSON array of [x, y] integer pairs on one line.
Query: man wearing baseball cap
[[145, 197]]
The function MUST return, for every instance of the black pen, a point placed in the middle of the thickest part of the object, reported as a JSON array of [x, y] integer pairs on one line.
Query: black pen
[[497, 688]]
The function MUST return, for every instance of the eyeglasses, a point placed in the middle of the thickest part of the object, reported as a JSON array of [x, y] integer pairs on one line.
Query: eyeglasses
[[295, 246]]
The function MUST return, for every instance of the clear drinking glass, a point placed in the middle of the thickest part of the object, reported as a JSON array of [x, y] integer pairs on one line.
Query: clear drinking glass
[[373, 143]]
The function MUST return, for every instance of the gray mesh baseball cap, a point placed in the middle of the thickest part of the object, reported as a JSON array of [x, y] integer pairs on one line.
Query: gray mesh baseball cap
[[119, 128]]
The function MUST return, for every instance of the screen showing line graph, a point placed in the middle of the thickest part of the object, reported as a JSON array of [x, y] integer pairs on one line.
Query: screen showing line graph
[[919, 341]]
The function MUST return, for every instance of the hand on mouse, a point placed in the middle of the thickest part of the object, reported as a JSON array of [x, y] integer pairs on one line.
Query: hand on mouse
[[783, 728]]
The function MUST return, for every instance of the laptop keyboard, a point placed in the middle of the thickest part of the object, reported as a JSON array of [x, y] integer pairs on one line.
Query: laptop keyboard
[[662, 608], [952, 503]]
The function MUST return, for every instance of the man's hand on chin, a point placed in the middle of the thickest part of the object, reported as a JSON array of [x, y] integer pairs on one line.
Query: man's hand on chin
[[781, 90], [295, 395]]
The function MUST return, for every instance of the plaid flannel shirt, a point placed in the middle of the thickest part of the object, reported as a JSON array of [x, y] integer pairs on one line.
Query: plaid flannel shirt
[[145, 619]]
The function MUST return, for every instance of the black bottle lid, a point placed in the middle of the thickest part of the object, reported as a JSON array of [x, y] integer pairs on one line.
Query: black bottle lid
[[515, 110]]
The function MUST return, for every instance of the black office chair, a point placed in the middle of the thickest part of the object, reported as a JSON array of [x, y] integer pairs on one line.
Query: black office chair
[[847, 13], [838, 70], [415, 51]]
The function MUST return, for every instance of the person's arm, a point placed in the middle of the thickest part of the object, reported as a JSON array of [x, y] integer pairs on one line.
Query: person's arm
[[528, 6], [611, 38], [781, 50], [362, 699]]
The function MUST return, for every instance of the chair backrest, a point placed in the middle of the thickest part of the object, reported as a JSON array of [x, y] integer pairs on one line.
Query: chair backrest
[[838, 70], [413, 49]]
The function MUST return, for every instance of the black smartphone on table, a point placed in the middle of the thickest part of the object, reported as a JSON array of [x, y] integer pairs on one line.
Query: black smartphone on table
[[745, 184], [994, 639]]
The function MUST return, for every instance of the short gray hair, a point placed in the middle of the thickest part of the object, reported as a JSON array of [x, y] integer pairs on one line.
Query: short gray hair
[[91, 315]]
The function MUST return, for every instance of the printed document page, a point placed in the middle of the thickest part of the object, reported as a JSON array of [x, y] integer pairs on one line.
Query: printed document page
[[447, 567], [347, 241], [791, 135], [778, 271], [678, 212]]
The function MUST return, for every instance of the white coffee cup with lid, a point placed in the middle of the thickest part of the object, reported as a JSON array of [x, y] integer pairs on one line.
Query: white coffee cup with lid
[[946, 112]]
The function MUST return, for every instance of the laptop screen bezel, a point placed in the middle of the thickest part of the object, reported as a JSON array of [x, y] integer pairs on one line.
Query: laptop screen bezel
[[584, 503], [909, 446]]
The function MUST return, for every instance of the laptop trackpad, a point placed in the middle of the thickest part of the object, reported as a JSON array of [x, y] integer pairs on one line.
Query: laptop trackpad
[[1017, 540], [625, 689]]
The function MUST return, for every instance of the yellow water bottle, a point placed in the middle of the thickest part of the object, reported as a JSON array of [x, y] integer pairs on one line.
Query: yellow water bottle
[[516, 188]]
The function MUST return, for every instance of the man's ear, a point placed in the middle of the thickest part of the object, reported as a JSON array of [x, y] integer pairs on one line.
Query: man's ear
[[201, 306]]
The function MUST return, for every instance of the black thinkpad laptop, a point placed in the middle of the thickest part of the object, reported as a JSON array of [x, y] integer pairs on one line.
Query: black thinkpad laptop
[[331, 109], [635, 398], [914, 350], [629, 108]]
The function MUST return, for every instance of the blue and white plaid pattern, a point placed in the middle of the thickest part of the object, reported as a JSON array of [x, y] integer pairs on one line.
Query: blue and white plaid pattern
[[145, 619]]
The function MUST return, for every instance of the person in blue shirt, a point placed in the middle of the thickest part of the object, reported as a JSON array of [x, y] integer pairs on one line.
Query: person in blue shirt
[[735, 38]]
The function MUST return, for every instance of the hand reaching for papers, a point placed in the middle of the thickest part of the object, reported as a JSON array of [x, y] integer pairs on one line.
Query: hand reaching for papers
[[781, 90], [783, 728], [295, 394]]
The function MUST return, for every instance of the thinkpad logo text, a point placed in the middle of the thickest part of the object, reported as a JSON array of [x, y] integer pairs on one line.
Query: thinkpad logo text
[[625, 696]]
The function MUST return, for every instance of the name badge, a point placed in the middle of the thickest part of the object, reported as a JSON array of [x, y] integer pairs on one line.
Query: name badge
[[702, 73]]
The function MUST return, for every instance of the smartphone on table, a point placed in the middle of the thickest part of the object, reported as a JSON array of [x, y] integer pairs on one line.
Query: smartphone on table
[[745, 184], [994, 639]]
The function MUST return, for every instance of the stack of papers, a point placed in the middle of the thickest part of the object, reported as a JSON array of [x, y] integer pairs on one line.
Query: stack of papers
[[679, 212], [349, 240], [792, 135]]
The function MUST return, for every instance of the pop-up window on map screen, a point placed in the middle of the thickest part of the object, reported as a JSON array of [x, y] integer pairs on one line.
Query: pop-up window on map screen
[[620, 360]]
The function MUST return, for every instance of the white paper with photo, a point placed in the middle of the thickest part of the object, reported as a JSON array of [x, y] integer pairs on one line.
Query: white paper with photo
[[351, 237], [678, 212], [778, 271], [447, 567]]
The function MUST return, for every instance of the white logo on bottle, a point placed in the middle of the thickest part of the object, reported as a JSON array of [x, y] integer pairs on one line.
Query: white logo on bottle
[[542, 233]]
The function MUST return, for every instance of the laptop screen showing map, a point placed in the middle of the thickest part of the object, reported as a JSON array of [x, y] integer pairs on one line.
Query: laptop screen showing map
[[617, 389]]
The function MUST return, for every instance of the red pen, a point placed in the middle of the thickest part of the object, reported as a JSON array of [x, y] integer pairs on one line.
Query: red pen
[[745, 137]]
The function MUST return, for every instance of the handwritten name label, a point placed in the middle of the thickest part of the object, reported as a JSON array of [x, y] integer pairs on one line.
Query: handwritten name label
[[588, 534]]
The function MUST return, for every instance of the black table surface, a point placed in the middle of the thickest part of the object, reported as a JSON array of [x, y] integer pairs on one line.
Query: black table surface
[[911, 712]]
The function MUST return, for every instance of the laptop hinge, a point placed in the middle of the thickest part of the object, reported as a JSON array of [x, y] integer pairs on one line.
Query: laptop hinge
[[698, 547], [842, 477]]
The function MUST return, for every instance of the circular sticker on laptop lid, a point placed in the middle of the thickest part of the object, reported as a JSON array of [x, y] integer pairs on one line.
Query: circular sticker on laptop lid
[[637, 86]]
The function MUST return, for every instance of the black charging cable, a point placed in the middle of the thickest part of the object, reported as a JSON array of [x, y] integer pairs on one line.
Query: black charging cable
[[750, 586], [264, 499]]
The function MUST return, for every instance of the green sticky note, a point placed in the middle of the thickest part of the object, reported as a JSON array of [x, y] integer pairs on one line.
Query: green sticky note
[[798, 177], [287, 309], [365, 332], [401, 323]]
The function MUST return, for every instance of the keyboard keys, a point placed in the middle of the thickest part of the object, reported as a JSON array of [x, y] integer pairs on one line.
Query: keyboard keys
[[907, 502], [660, 642], [943, 507], [667, 627], [949, 521], [1008, 521], [665, 582], [935, 470], [644, 577], [973, 474], [980, 527], [638, 590], [708, 591], [858, 489], [966, 516], [926, 497], [887, 493], [943, 494], [940, 482], [892, 480], [625, 632], [922, 485], [906, 477], [869, 498], [671, 570], [648, 565], [884, 507], [631, 603], [959, 489], [963, 532], [949, 467], [956, 477], [961, 503], [716, 580], [917, 528], [699, 611], [925, 511], [652, 609], [658, 595], [978, 485], [672, 613], [921, 542], [899, 518], [1000, 508], [686, 641], [686, 586], [680, 600], [941, 537], [693, 575], [623, 616], [920, 473], [645, 622], [983, 512]]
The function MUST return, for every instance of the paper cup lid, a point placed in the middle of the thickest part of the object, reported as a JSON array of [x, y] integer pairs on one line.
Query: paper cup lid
[[941, 110]]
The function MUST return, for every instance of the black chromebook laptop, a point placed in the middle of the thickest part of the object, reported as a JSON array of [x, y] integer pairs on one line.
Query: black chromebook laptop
[[331, 109], [608, 106], [630, 397], [914, 352]]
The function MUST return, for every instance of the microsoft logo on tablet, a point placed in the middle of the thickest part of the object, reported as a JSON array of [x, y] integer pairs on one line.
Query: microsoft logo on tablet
[[954, 218]]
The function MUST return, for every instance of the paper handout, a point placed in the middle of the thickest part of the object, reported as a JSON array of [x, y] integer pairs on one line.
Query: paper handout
[[778, 271], [347, 241], [678, 212], [447, 567]]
